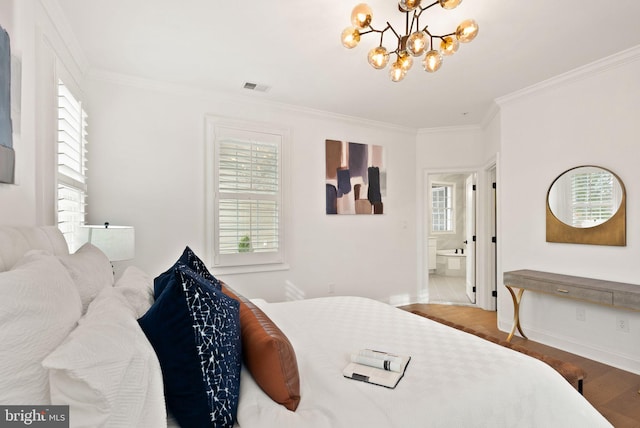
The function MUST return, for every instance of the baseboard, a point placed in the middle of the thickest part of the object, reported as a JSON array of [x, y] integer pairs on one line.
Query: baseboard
[[621, 361]]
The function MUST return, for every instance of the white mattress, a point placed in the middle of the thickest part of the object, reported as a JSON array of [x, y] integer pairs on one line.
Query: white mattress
[[453, 380]]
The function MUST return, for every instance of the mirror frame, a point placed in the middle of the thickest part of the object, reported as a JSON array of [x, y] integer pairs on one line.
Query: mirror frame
[[611, 232]]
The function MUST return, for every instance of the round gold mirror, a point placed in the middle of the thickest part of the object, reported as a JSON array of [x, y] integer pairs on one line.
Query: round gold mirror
[[586, 205]]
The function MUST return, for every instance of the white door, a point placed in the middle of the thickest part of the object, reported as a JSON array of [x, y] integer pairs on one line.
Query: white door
[[470, 238]]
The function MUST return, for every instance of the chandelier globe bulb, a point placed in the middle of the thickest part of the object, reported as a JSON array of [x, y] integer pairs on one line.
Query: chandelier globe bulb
[[396, 72], [361, 16], [405, 60], [467, 31], [449, 45], [417, 43], [432, 61], [350, 37], [449, 4], [408, 5], [378, 57]]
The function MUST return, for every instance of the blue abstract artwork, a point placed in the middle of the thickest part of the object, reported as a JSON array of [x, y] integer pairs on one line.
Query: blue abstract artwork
[[7, 154], [355, 178]]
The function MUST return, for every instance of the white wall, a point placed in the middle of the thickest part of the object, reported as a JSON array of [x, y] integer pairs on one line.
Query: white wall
[[18, 200], [452, 150], [591, 118], [43, 51], [147, 169]]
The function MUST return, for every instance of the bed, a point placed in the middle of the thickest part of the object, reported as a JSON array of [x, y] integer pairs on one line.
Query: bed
[[453, 379]]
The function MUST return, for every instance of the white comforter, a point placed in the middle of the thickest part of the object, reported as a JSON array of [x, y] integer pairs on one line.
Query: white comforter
[[454, 379]]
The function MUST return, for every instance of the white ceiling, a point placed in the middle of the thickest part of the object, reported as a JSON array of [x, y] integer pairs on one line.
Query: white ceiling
[[294, 47]]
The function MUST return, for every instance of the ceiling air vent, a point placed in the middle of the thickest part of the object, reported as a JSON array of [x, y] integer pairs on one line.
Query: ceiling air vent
[[256, 87]]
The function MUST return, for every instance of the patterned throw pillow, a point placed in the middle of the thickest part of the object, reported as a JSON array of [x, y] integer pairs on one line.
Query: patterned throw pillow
[[192, 261], [195, 331]]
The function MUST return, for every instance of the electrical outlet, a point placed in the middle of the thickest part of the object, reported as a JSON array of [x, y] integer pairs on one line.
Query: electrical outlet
[[622, 324], [581, 313]]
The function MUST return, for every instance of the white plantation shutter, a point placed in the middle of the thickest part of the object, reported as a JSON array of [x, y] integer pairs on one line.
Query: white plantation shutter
[[248, 184], [593, 198], [72, 183], [247, 188]]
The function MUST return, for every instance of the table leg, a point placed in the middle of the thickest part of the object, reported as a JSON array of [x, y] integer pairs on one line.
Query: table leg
[[516, 312]]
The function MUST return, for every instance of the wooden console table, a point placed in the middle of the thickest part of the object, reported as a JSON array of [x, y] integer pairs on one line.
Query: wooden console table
[[616, 294]]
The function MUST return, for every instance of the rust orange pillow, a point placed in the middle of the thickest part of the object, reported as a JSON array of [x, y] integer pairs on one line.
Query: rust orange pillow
[[267, 353]]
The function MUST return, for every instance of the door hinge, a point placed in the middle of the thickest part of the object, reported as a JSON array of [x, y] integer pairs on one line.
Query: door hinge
[[494, 239], [474, 238], [474, 187], [494, 293], [474, 288], [493, 185]]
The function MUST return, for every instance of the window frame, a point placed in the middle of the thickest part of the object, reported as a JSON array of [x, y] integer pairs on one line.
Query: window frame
[[217, 128], [450, 210]]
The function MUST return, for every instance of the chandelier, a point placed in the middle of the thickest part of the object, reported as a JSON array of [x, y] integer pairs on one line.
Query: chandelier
[[415, 42]]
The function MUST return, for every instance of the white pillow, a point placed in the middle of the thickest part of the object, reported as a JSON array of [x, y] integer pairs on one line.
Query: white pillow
[[107, 371], [39, 306], [137, 287], [91, 271]]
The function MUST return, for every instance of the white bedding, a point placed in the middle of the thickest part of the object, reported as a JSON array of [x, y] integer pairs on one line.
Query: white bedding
[[454, 379]]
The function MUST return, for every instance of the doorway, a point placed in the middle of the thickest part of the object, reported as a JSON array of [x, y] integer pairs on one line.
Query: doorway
[[450, 224]]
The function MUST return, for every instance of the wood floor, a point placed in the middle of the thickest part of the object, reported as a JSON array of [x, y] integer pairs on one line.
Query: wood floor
[[614, 392]]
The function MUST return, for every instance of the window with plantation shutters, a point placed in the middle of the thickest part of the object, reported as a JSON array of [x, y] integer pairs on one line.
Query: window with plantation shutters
[[246, 189], [71, 176], [442, 209]]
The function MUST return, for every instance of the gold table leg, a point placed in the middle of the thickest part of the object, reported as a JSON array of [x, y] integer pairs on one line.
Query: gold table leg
[[516, 312]]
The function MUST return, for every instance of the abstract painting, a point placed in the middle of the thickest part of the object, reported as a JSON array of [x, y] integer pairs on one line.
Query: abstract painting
[[7, 155], [355, 179]]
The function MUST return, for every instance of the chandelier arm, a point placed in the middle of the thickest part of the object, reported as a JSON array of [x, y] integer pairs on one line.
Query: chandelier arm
[[373, 30], [399, 45], [406, 23], [446, 35], [427, 7], [416, 19], [393, 30]]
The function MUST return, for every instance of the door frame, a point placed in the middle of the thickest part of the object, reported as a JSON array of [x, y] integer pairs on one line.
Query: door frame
[[425, 232], [470, 235], [484, 284]]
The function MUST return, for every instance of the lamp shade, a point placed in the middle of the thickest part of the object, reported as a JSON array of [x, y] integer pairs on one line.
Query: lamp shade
[[116, 242]]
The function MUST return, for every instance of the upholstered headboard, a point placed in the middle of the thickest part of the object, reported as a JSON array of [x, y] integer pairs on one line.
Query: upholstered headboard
[[15, 241]]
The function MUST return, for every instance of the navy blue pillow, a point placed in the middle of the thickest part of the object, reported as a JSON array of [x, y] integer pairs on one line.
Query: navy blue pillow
[[195, 331], [189, 259]]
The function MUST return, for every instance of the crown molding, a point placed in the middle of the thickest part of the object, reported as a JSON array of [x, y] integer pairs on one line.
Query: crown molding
[[493, 111], [613, 61], [232, 97], [449, 129], [60, 25]]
